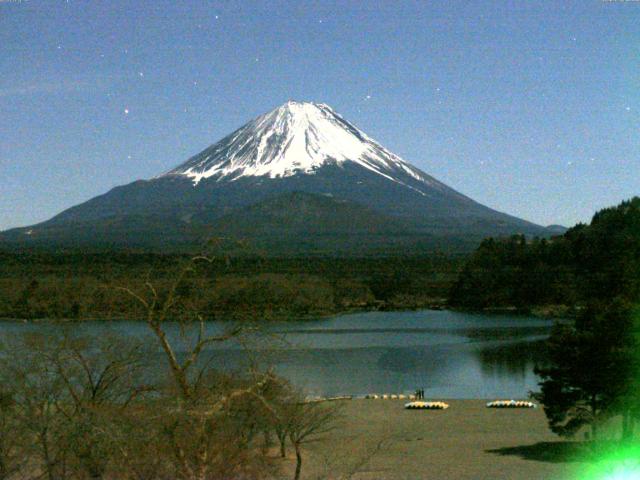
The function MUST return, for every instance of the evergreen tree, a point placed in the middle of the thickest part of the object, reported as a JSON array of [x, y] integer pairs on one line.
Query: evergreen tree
[[591, 365]]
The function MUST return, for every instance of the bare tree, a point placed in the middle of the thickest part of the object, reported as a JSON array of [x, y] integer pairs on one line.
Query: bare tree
[[307, 422], [205, 432], [171, 305], [104, 371], [11, 440], [69, 393], [37, 392], [87, 412], [102, 378]]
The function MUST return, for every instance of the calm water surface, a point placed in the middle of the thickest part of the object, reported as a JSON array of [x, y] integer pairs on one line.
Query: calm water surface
[[449, 354]]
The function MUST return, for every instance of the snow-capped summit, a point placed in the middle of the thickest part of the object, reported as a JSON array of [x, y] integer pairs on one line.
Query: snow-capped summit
[[297, 137]]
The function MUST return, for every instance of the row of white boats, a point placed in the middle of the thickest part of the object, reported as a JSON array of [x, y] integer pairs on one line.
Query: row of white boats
[[421, 405], [415, 404], [511, 404]]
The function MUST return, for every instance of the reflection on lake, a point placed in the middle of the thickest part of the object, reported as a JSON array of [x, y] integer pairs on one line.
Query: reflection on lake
[[449, 354]]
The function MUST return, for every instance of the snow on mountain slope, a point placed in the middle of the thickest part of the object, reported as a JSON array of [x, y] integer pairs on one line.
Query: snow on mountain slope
[[274, 175], [298, 138]]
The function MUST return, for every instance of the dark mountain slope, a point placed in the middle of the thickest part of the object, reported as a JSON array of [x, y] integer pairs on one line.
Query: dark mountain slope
[[298, 147]]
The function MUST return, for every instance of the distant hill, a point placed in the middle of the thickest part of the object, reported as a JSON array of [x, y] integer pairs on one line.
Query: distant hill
[[556, 229]]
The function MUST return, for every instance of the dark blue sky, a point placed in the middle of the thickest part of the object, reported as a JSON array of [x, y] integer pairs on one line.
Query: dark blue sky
[[530, 107]]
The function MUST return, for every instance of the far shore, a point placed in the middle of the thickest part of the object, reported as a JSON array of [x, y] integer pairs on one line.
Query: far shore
[[550, 312]]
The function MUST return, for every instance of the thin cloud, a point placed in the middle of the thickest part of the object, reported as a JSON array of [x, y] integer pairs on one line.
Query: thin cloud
[[57, 86]]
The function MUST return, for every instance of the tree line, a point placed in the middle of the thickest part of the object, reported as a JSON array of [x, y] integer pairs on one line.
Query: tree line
[[599, 260], [72, 285]]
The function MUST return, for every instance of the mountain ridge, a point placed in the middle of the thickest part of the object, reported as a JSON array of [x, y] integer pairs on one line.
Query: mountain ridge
[[297, 147]]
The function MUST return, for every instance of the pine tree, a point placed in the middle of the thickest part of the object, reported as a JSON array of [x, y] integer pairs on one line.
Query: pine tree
[[591, 366]]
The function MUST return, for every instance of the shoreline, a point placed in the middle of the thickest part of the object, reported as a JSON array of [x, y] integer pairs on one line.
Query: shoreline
[[562, 313]]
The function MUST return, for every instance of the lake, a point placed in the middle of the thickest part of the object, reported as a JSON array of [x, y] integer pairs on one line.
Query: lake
[[448, 354]]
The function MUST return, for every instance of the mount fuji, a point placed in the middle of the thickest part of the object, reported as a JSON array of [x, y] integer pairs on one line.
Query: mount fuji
[[298, 179]]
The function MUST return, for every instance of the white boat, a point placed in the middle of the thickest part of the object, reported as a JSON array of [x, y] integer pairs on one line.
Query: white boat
[[419, 405], [511, 404]]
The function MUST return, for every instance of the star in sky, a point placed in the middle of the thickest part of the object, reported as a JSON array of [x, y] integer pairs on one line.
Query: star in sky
[[462, 57]]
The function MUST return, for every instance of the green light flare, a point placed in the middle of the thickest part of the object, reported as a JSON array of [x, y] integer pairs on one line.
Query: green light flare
[[621, 464]]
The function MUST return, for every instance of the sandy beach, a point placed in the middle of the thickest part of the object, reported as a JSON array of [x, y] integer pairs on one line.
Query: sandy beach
[[466, 441]]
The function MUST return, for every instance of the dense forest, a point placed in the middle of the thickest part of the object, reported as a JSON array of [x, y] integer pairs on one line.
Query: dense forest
[[76, 285], [599, 260], [555, 276]]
